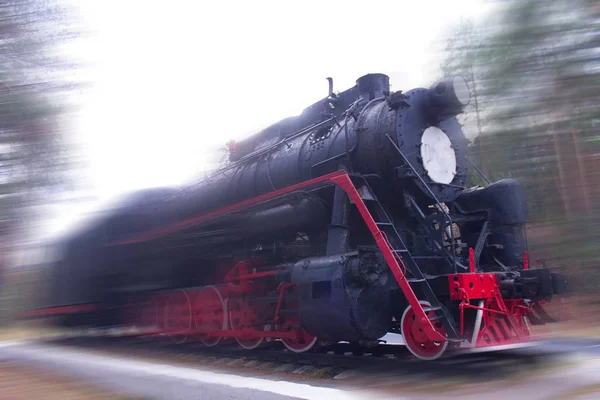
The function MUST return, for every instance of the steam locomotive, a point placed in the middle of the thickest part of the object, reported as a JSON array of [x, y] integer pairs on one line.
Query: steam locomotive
[[342, 224]]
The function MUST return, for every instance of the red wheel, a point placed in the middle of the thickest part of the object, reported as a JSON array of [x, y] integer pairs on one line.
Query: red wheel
[[178, 315], [242, 315], [415, 338], [209, 315], [303, 341]]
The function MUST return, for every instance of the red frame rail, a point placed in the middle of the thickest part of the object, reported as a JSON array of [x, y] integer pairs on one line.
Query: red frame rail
[[343, 180], [62, 310]]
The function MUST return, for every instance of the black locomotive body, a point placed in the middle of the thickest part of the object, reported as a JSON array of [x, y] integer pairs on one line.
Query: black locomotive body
[[294, 239]]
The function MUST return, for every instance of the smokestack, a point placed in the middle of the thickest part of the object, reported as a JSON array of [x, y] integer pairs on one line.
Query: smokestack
[[372, 86]]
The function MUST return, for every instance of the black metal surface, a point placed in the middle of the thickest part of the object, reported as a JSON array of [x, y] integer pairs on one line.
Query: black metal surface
[[333, 308], [504, 201], [338, 231], [533, 284], [418, 280]]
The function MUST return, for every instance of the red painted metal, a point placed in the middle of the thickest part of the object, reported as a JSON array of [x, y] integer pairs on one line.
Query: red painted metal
[[341, 179], [209, 315], [467, 287], [281, 289], [415, 338], [256, 275], [238, 277], [167, 314], [156, 233], [505, 327], [393, 262], [178, 314], [525, 260], [472, 286], [489, 310], [243, 318], [232, 146], [503, 321], [472, 260], [295, 339], [74, 309]]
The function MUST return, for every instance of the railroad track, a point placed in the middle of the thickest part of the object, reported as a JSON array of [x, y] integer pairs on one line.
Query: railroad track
[[333, 362]]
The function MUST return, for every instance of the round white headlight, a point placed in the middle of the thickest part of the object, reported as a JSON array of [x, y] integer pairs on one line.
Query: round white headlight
[[438, 155]]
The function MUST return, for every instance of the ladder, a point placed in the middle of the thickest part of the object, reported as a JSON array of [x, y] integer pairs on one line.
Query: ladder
[[413, 274], [433, 196]]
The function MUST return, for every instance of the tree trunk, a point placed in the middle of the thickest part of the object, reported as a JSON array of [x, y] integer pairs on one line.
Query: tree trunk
[[562, 176], [479, 133], [583, 178]]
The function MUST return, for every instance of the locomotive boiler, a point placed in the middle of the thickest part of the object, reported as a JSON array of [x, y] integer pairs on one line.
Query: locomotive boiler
[[345, 223]]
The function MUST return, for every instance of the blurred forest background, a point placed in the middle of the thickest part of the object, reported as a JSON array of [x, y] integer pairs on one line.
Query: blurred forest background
[[38, 165], [534, 72]]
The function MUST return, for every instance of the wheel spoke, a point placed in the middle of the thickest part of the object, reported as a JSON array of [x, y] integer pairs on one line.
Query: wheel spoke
[[209, 315], [415, 338], [303, 341], [242, 315]]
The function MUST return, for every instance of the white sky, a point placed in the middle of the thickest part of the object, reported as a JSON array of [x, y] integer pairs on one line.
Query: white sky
[[173, 80]]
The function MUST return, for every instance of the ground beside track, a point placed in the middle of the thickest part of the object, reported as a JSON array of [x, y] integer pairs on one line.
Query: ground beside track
[[168, 375], [19, 381], [144, 379]]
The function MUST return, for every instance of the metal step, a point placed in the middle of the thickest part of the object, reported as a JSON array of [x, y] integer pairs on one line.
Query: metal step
[[412, 267]]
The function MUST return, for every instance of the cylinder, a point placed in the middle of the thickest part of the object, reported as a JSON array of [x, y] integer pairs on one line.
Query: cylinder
[[333, 308], [373, 86]]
